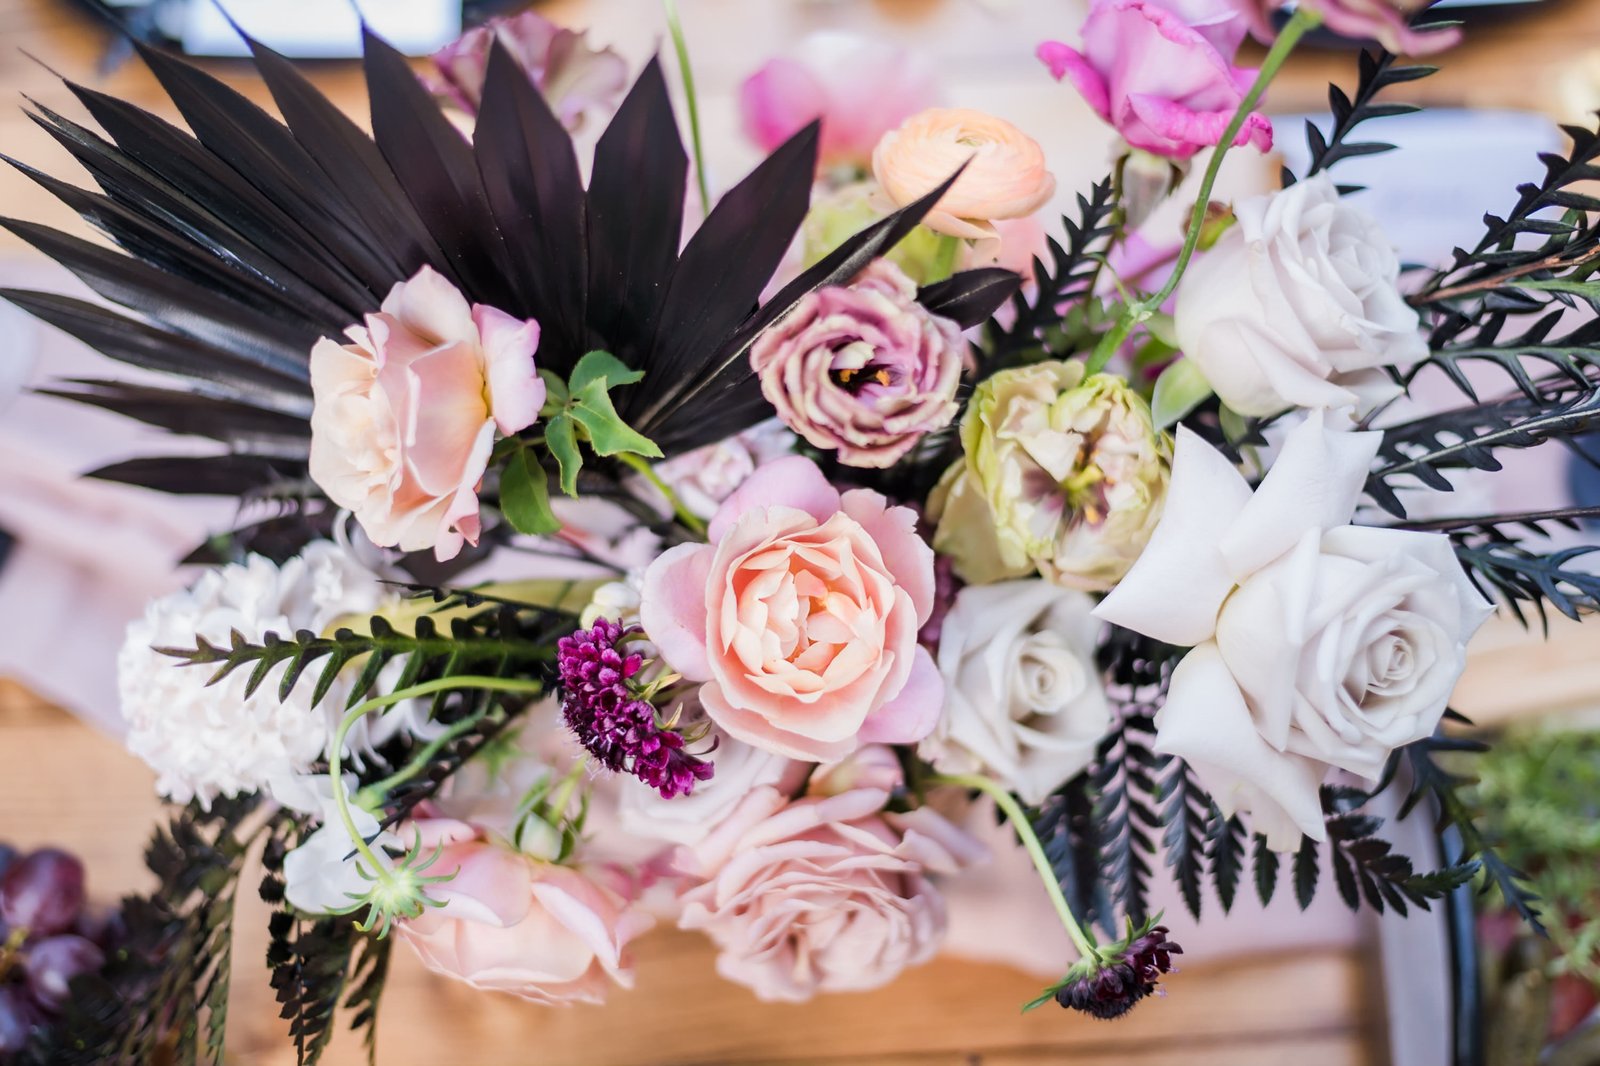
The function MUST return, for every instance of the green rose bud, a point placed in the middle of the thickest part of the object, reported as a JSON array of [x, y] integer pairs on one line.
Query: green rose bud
[[1062, 474]]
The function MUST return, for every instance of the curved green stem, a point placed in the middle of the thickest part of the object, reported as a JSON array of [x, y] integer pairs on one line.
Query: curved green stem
[[1030, 840], [1303, 19], [380, 870], [688, 518], [685, 71]]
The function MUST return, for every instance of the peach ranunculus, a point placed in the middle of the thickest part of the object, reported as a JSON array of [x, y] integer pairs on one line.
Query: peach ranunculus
[[404, 417], [1005, 175], [511, 923], [800, 616], [825, 894]]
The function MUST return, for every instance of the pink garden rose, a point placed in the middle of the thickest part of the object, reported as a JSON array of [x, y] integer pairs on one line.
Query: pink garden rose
[[862, 369], [511, 923], [858, 86], [404, 417], [800, 616], [1161, 72], [826, 894], [1005, 175], [1386, 21], [573, 76]]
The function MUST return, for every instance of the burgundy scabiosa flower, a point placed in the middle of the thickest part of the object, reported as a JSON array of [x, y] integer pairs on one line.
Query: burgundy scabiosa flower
[[612, 714], [1111, 984]]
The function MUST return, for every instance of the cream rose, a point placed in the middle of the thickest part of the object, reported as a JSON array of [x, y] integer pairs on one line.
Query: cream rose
[[1005, 175], [1297, 305], [1317, 644], [1024, 702], [404, 417], [826, 894]]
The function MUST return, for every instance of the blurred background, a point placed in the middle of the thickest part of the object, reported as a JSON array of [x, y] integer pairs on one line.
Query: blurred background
[[78, 559]]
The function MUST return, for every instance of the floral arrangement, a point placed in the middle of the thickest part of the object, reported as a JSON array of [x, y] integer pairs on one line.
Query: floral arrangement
[[612, 553]]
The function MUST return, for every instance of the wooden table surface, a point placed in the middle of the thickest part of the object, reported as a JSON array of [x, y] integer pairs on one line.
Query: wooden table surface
[[62, 783]]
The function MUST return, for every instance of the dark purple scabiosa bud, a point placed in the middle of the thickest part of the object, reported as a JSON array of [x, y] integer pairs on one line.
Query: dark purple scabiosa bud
[[1112, 981], [615, 716]]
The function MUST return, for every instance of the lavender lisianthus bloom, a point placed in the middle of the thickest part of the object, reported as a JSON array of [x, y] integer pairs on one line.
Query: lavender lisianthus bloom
[[862, 369], [574, 76]]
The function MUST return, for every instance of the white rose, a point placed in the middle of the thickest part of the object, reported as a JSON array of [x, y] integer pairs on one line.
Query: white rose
[[1024, 702], [1297, 305], [1317, 644]]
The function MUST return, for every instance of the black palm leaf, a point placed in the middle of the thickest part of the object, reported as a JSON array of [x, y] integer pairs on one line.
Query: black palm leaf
[[247, 238]]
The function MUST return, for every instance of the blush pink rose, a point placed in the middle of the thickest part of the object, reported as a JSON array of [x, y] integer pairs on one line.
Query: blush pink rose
[[1386, 21], [574, 76], [826, 894], [1005, 175], [862, 369], [1161, 72], [858, 86], [511, 923], [404, 417], [800, 616]]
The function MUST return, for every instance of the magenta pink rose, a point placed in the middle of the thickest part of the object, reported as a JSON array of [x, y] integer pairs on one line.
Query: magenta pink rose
[[800, 616], [827, 894], [858, 86], [511, 923], [574, 77], [1386, 21], [403, 418], [1161, 72], [862, 369]]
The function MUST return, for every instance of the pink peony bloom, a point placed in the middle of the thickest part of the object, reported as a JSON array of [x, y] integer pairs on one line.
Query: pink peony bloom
[[862, 369], [403, 418], [1161, 72], [1005, 175], [801, 616], [511, 923], [861, 88], [1386, 21], [828, 894], [576, 78]]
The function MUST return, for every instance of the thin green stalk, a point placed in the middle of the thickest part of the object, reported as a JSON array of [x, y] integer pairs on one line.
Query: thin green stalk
[[1030, 840], [1303, 19], [690, 520], [681, 46], [380, 870], [419, 762]]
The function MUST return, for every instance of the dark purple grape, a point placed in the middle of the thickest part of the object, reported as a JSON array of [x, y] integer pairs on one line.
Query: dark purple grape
[[18, 1016], [53, 962], [104, 925], [8, 855], [42, 892]]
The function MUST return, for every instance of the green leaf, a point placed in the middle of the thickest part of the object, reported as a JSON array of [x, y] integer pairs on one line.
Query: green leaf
[[561, 438], [525, 497], [1234, 426], [555, 394], [603, 367], [1180, 389]]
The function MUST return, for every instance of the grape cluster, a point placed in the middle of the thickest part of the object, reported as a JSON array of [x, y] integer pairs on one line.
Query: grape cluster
[[47, 937]]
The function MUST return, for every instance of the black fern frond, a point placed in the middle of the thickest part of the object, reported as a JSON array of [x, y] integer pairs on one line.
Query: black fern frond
[[1517, 577], [1225, 839], [1366, 867], [1185, 812], [311, 961], [1125, 787], [1430, 780], [1264, 864], [1377, 72], [1066, 826], [1067, 280], [369, 974]]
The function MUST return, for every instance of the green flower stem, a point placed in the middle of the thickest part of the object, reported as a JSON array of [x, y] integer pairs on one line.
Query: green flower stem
[[380, 871], [686, 72], [376, 791], [1030, 840], [688, 518], [1304, 18]]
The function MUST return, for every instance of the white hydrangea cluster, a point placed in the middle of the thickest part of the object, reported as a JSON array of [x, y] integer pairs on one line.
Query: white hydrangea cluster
[[209, 740]]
